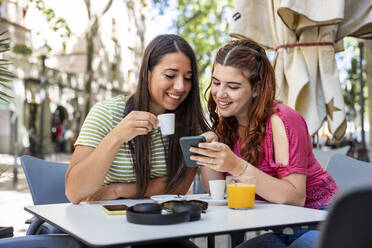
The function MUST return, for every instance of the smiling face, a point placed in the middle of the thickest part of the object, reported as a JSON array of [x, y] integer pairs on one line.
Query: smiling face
[[231, 92], [169, 82]]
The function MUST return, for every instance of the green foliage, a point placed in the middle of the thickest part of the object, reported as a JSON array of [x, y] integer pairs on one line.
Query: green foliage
[[21, 49], [203, 24], [57, 24], [5, 75], [351, 86]]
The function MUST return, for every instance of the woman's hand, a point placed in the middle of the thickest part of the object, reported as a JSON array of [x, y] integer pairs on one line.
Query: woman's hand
[[114, 191], [219, 157], [210, 136], [135, 123], [107, 192]]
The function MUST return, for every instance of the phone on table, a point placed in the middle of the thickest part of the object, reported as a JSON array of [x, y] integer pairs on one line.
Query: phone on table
[[115, 209], [187, 142]]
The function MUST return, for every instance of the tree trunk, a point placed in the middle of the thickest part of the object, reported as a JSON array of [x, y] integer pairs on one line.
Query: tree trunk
[[89, 70], [139, 22], [91, 33], [368, 71]]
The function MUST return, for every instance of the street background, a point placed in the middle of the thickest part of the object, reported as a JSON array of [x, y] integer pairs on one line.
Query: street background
[[58, 58]]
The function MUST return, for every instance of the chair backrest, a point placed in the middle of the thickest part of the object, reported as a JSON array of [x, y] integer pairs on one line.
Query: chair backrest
[[324, 156], [41, 241], [46, 180], [349, 172], [349, 221]]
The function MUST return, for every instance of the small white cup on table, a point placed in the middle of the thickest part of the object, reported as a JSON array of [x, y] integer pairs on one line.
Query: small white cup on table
[[217, 189]]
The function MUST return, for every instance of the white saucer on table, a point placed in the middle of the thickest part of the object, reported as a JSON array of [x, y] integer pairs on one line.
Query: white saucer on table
[[212, 201], [164, 198]]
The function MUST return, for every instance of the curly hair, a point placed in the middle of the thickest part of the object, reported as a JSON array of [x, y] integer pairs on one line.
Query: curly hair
[[250, 58]]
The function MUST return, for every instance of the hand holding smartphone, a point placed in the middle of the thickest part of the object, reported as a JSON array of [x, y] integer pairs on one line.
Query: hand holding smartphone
[[186, 143], [115, 209]]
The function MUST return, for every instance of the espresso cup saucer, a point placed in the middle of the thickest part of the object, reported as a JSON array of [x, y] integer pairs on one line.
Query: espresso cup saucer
[[212, 201]]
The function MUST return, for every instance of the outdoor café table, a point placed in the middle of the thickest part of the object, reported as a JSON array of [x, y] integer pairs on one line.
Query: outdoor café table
[[88, 223]]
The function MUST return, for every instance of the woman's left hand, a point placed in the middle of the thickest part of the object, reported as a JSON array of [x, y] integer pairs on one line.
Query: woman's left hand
[[217, 156], [107, 192]]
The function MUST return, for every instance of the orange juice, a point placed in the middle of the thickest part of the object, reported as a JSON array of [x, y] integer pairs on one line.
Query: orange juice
[[240, 195]]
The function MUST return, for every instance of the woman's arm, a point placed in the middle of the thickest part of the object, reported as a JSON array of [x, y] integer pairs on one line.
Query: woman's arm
[[127, 190], [294, 185], [290, 189], [88, 168], [207, 173], [89, 165], [157, 186]]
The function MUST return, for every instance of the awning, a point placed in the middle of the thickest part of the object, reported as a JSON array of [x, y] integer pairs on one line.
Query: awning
[[305, 34]]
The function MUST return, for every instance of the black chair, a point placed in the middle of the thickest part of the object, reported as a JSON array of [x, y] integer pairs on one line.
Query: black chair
[[41, 241], [349, 221], [6, 231]]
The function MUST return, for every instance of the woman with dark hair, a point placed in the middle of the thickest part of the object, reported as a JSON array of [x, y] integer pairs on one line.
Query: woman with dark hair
[[254, 135], [120, 152]]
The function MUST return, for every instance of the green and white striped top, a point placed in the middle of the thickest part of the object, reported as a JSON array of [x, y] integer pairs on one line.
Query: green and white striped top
[[102, 118]]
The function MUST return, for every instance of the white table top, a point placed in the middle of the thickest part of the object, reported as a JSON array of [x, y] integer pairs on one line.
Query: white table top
[[90, 224]]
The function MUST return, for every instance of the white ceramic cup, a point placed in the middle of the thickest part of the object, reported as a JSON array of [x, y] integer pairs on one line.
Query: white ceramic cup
[[217, 189], [166, 123]]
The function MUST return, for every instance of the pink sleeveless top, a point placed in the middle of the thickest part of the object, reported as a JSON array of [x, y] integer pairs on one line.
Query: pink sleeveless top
[[320, 187]]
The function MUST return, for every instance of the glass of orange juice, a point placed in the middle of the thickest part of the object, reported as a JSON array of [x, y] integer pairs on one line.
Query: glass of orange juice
[[241, 192]]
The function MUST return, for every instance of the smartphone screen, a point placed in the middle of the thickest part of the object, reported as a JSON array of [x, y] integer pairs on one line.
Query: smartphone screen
[[115, 209], [186, 143]]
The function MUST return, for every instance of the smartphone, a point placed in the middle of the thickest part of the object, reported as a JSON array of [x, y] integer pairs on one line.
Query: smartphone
[[115, 209], [186, 143]]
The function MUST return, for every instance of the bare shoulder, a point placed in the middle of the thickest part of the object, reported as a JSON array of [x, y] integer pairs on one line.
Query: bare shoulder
[[277, 125], [280, 140]]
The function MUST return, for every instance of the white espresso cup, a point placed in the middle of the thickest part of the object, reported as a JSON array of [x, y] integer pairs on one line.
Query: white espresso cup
[[217, 189], [166, 123]]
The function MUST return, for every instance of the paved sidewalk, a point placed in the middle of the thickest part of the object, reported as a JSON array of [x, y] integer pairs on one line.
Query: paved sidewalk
[[13, 200]]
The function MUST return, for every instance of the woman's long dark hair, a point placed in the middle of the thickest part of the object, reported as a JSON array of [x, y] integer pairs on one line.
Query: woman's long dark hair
[[251, 59], [189, 115]]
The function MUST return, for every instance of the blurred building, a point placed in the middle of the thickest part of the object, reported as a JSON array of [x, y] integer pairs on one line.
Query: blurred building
[[118, 47]]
